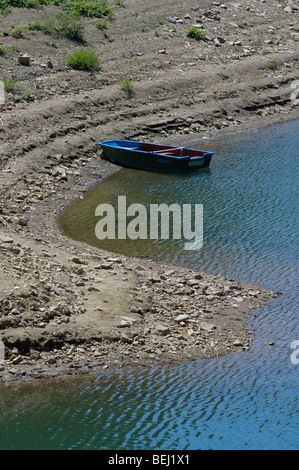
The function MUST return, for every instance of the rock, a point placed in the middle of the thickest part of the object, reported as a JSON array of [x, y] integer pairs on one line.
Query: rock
[[154, 279], [22, 221], [126, 338], [6, 239], [64, 309], [24, 59], [129, 319], [134, 309], [161, 330], [124, 324], [207, 326], [288, 9], [197, 276], [50, 64], [180, 318], [51, 360], [15, 311], [169, 273], [238, 299], [76, 260], [104, 266], [237, 343], [210, 297], [59, 171], [17, 360], [3, 222]]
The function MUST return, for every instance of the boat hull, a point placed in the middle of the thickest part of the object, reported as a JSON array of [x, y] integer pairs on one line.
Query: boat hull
[[154, 157]]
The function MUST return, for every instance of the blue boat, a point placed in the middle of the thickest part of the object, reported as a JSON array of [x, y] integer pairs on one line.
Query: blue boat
[[154, 157]]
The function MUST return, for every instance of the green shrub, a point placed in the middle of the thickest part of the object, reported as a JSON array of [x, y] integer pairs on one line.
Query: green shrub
[[29, 95], [4, 7], [36, 26], [195, 33], [27, 3], [127, 87], [66, 24], [16, 32], [101, 25], [89, 8], [272, 65], [2, 51], [11, 85], [83, 59]]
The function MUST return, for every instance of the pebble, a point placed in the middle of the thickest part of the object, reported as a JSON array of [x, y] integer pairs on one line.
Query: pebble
[[288, 9]]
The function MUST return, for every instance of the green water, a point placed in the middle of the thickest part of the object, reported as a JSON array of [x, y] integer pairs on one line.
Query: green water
[[247, 400]]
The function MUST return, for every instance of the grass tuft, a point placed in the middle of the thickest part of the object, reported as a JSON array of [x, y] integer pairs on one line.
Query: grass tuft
[[127, 86], [195, 33], [272, 65], [89, 8], [11, 85], [83, 59]]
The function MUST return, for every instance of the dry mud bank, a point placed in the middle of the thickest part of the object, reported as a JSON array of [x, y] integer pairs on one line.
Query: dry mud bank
[[65, 307]]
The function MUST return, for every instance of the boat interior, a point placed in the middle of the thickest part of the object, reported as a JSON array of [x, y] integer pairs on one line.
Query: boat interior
[[172, 151]]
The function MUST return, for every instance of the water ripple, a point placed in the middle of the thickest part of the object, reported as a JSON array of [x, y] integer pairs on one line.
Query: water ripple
[[241, 401]]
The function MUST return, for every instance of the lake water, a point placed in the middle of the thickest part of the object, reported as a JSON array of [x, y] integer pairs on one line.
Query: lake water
[[247, 400]]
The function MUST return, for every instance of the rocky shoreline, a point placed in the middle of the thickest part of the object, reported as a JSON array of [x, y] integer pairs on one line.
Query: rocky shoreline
[[160, 314], [67, 308]]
